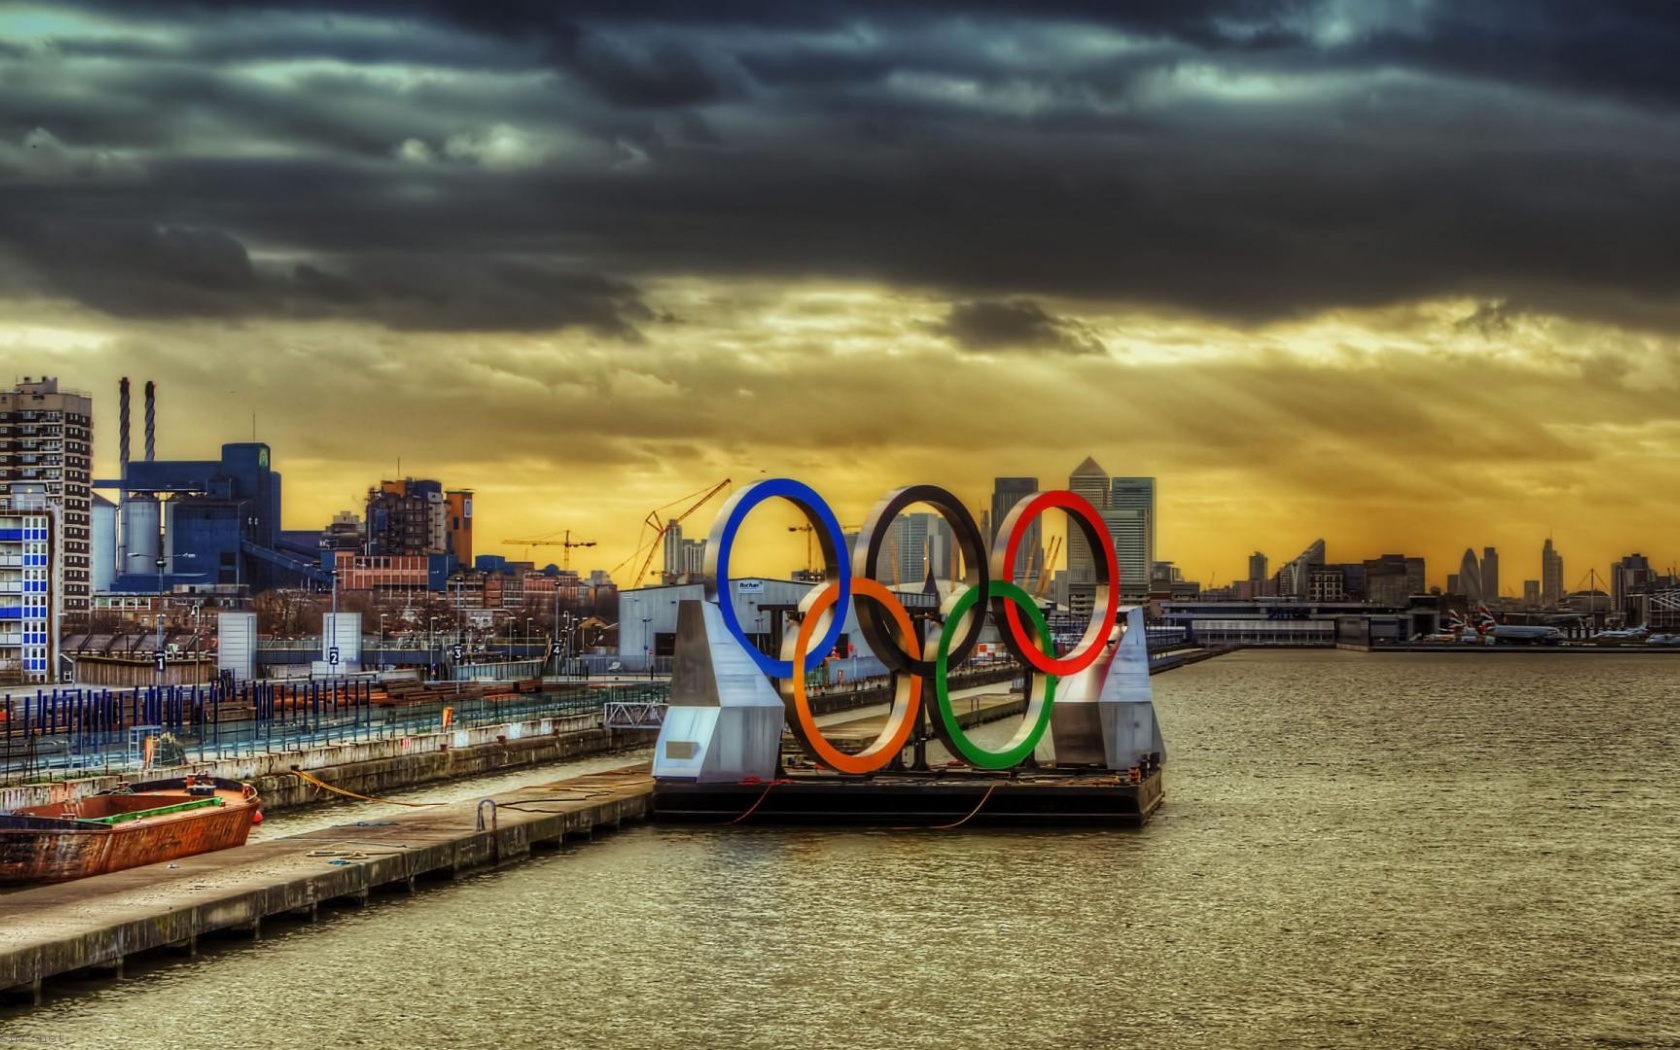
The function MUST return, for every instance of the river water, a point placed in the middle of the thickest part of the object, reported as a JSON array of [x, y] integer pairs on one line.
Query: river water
[[1455, 850]]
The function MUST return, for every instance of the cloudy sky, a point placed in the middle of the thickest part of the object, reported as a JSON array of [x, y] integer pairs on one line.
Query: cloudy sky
[[1399, 273]]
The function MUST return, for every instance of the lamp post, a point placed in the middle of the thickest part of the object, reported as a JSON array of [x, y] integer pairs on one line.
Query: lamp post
[[647, 652], [431, 637], [326, 645]]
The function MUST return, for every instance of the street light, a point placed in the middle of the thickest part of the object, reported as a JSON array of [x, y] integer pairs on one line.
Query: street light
[[647, 653]]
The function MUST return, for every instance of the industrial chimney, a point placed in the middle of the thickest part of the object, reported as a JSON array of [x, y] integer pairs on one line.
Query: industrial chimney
[[122, 403], [151, 421]]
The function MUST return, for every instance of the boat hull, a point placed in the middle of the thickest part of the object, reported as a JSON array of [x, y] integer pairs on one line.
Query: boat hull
[[54, 846]]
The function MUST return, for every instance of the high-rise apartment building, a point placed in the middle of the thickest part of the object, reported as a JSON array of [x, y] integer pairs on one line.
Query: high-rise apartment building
[[1257, 566], [1006, 492], [29, 541], [46, 446], [1551, 574], [410, 518]]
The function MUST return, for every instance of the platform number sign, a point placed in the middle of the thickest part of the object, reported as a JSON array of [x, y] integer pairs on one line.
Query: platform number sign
[[332, 656], [158, 660], [457, 652]]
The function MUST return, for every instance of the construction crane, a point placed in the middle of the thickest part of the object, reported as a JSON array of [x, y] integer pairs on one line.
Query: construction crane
[[568, 543], [661, 528], [808, 529], [1044, 566]]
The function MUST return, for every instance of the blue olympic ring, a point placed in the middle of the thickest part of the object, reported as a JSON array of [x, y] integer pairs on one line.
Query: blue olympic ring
[[837, 561]]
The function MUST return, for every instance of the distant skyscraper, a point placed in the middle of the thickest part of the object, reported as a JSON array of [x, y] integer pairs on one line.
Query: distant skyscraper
[[1490, 575], [1128, 530], [1392, 579], [672, 555], [1470, 576], [1006, 492], [1629, 577], [1091, 481], [1551, 574], [1295, 579], [1531, 593], [1134, 494], [1257, 566]]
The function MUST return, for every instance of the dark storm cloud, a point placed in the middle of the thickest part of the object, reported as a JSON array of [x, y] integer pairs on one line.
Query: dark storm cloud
[[129, 270], [1018, 325], [1247, 159]]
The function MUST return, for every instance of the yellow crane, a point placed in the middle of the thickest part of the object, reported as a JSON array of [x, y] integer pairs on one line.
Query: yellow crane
[[567, 542], [1046, 557]]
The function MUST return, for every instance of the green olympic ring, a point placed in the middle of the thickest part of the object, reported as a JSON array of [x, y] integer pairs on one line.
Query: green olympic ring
[[1040, 688]]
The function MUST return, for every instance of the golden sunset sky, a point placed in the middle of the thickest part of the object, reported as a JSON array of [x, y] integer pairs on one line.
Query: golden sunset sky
[[1398, 274]]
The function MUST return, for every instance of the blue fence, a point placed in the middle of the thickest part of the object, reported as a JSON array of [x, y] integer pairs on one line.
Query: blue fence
[[80, 731]]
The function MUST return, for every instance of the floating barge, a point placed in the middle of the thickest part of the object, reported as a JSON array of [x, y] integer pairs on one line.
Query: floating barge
[[145, 824], [936, 799]]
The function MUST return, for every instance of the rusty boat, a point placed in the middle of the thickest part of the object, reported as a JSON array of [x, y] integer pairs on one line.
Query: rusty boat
[[126, 827]]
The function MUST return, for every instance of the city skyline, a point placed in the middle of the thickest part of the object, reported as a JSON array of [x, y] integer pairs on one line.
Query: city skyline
[[587, 263]]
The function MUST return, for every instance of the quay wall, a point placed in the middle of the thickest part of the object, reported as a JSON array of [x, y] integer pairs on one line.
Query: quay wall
[[378, 767], [375, 766]]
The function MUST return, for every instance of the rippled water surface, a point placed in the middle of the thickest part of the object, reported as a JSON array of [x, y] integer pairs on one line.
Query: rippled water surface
[[1463, 850]]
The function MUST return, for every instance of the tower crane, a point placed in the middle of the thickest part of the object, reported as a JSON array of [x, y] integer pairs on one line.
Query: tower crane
[[568, 543], [1045, 558], [808, 529], [660, 529]]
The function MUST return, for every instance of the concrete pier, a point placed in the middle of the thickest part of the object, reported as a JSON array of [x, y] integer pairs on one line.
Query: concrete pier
[[97, 923]]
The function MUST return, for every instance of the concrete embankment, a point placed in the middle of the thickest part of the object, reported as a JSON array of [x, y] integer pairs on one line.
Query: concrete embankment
[[96, 924], [99, 923], [377, 766]]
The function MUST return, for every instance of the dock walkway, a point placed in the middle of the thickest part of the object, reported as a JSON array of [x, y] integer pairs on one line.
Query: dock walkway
[[96, 923]]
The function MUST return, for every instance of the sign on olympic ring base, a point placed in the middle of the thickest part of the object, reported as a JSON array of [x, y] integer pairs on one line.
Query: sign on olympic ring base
[[891, 633]]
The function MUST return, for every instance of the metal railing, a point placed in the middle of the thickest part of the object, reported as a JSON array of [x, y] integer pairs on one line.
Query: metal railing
[[66, 733]]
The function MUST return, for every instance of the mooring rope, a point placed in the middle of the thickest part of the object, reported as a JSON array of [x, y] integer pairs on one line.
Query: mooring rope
[[318, 782]]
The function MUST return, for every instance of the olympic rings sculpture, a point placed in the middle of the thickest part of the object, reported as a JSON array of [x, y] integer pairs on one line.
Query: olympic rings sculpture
[[890, 631]]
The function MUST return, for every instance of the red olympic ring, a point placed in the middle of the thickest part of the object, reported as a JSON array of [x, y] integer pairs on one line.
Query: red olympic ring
[[1084, 517]]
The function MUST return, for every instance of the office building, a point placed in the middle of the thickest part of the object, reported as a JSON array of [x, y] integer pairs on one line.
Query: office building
[[1135, 494], [46, 446], [1630, 579], [1295, 579], [1531, 593], [1006, 492], [1392, 579], [1128, 530], [1091, 481], [1470, 577], [1551, 574], [1257, 566], [1490, 575]]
